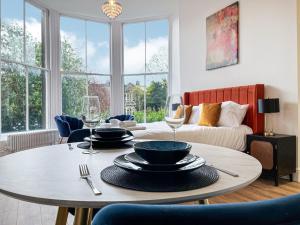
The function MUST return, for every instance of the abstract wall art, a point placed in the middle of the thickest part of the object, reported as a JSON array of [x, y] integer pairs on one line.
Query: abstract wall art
[[222, 37]]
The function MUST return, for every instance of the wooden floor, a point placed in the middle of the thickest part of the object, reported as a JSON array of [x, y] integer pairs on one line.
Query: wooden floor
[[260, 190], [14, 212]]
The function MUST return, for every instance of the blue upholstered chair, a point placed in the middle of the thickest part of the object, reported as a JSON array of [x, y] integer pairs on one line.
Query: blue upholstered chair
[[67, 124], [78, 135], [283, 211], [120, 117]]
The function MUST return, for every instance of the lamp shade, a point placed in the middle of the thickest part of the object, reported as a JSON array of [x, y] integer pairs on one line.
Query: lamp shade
[[270, 105]]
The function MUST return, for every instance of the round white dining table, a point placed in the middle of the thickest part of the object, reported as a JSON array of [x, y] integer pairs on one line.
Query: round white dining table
[[50, 175]]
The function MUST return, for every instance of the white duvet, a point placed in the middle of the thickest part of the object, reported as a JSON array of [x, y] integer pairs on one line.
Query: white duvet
[[230, 137]]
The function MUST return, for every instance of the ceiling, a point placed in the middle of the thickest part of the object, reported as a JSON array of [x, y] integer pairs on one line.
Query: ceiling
[[132, 9]]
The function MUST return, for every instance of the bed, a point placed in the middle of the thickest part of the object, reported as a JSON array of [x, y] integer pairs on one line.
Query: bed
[[231, 137]]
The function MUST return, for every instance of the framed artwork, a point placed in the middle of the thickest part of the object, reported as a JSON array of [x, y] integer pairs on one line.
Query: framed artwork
[[222, 38]]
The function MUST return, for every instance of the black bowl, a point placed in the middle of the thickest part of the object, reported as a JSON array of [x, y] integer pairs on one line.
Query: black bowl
[[162, 152], [110, 132]]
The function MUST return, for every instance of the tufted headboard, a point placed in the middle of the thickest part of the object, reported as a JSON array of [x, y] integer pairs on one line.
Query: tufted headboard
[[242, 95]]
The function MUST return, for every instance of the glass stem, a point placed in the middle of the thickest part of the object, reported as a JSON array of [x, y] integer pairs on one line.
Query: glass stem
[[174, 134], [91, 142]]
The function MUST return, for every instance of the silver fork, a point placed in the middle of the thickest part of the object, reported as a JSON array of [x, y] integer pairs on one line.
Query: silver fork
[[85, 174]]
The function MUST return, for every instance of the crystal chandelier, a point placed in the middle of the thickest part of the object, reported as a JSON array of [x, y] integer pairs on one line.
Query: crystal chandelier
[[112, 9]]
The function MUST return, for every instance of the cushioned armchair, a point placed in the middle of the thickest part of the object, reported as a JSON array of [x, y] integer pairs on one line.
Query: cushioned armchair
[[120, 117], [67, 124], [283, 211]]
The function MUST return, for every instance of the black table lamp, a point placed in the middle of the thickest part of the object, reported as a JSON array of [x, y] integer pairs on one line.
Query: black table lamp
[[269, 105]]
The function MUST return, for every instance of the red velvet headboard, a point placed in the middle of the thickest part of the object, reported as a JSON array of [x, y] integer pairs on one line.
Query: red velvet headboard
[[242, 95]]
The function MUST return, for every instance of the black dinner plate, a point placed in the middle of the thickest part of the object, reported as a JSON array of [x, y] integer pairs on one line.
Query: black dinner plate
[[97, 137], [121, 162], [106, 141], [110, 144], [137, 160], [110, 132]]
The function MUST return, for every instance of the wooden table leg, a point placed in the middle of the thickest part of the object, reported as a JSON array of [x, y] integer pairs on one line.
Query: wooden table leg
[[62, 216], [90, 216], [203, 202], [81, 216]]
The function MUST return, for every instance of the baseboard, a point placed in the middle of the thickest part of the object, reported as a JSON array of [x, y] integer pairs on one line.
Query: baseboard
[[297, 175]]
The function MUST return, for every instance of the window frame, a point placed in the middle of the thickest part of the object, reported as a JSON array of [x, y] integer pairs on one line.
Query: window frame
[[46, 69], [169, 73], [85, 73]]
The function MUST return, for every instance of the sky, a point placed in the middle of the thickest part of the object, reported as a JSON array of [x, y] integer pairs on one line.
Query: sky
[[139, 38]]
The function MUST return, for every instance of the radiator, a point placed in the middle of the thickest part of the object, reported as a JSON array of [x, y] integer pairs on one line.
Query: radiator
[[26, 140]]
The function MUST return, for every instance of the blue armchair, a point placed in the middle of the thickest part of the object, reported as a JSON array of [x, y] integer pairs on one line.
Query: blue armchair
[[120, 117], [67, 124], [78, 135], [283, 211]]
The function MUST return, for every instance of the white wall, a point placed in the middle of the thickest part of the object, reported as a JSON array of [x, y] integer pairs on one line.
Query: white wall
[[268, 52]]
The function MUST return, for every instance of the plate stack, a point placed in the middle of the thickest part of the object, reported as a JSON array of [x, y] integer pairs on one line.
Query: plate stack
[[110, 137], [160, 157]]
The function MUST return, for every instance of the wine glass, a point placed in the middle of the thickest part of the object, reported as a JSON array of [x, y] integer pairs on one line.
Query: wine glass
[[174, 113], [91, 117]]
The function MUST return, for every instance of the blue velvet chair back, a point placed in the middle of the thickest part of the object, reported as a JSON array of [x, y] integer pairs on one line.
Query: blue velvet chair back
[[67, 124], [120, 117], [78, 135], [283, 211]]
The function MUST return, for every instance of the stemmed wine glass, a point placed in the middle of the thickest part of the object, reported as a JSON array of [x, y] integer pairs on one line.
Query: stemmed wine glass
[[174, 118], [91, 117]]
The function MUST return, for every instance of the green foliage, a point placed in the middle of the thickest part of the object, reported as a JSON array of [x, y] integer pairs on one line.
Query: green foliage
[[12, 42], [70, 61], [73, 89], [139, 116], [37, 100], [156, 94], [151, 115], [13, 96]]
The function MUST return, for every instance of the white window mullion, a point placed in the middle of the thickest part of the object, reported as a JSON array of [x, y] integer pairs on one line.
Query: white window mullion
[[117, 89], [145, 70], [26, 68], [87, 77], [55, 103], [0, 89], [0, 70], [27, 98], [85, 30], [24, 32]]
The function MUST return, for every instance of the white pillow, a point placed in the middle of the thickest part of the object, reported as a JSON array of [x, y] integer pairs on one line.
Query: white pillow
[[232, 114], [195, 115]]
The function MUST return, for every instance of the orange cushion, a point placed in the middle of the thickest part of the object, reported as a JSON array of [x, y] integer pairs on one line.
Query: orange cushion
[[188, 112], [210, 114]]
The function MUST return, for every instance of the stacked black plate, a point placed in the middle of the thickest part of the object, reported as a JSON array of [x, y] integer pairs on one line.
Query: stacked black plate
[[110, 137], [160, 157]]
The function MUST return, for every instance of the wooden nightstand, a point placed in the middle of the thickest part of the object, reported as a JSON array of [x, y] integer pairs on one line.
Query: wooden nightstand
[[277, 154]]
